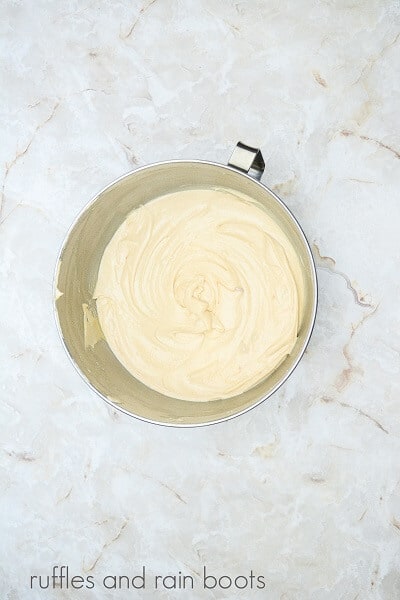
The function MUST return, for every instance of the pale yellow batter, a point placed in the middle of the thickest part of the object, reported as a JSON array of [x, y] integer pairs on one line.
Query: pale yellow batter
[[199, 294]]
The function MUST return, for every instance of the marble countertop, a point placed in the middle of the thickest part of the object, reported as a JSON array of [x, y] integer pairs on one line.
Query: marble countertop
[[305, 489]]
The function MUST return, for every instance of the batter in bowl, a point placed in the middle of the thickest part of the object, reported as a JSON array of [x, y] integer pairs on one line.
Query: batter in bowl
[[199, 294]]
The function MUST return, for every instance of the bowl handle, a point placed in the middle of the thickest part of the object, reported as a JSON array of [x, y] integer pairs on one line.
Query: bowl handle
[[248, 160]]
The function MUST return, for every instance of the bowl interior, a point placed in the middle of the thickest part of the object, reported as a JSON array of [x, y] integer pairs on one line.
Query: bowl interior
[[77, 275]]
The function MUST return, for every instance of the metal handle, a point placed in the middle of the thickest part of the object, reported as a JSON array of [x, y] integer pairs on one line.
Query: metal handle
[[246, 159]]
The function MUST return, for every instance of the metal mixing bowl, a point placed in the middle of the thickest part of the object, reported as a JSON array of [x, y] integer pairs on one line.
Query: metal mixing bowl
[[76, 277]]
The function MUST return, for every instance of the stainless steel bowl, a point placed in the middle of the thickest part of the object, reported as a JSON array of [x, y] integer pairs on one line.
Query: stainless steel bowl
[[76, 277]]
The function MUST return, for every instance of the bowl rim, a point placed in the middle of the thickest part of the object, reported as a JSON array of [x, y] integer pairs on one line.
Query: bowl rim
[[313, 276]]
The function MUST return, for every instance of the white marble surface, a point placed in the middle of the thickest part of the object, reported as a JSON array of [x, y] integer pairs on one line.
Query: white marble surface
[[305, 489]]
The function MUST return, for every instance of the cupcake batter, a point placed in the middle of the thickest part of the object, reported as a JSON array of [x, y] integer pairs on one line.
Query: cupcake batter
[[199, 294]]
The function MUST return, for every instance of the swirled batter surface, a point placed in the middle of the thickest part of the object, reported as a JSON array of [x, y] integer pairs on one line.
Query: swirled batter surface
[[199, 294]]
